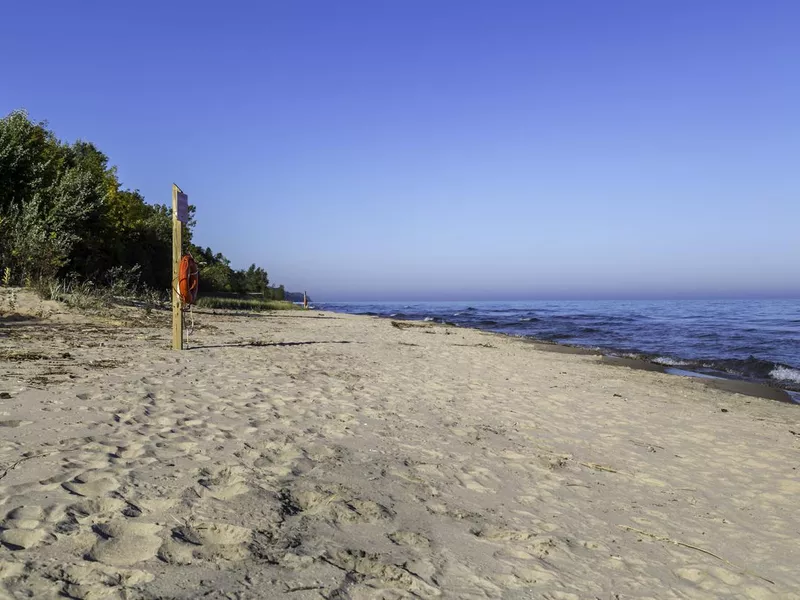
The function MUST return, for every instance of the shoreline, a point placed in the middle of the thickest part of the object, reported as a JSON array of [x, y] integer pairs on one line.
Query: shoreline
[[722, 381], [738, 386], [744, 387]]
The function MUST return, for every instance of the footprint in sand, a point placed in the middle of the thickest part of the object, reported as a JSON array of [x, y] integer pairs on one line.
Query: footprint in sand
[[454, 512], [152, 505], [381, 574], [174, 552], [478, 479], [410, 539], [129, 451], [222, 483], [96, 506], [497, 534], [338, 506], [72, 519], [90, 582], [21, 528], [21, 539], [91, 484], [282, 460], [124, 543], [206, 541], [203, 533], [23, 514]]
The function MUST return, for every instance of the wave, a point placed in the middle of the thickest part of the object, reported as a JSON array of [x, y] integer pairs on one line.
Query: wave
[[429, 319], [783, 373], [671, 362], [529, 320], [751, 367]]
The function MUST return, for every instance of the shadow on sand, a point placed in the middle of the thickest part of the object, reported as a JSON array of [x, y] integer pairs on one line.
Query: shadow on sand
[[17, 318], [257, 344], [259, 314]]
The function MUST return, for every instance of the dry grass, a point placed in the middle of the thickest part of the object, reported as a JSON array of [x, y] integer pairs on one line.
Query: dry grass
[[218, 302]]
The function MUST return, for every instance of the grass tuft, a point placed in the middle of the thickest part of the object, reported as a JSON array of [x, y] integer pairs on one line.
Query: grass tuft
[[224, 303]]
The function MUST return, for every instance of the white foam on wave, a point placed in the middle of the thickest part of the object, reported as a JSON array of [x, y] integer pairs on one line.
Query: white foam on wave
[[428, 319], [670, 362], [785, 374]]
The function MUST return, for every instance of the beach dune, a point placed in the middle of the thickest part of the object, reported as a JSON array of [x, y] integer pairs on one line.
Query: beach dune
[[303, 454]]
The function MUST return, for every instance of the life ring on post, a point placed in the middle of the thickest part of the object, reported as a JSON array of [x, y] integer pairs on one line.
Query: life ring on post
[[188, 280]]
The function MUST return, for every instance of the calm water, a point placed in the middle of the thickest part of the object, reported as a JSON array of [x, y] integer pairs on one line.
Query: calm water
[[757, 340]]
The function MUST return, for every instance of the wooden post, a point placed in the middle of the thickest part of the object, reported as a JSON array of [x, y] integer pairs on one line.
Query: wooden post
[[177, 251]]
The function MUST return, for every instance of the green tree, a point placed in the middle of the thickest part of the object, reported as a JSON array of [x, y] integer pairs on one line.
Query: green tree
[[256, 280], [51, 200], [63, 212], [29, 159]]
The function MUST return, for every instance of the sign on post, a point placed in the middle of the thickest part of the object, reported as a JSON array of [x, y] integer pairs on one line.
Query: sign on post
[[182, 212]]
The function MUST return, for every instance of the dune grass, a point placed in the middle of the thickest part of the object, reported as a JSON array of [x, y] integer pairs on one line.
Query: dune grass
[[225, 303]]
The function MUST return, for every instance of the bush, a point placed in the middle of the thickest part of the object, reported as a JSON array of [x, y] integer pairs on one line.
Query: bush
[[122, 282]]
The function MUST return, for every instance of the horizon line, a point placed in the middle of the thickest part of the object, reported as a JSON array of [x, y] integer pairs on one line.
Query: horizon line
[[584, 299]]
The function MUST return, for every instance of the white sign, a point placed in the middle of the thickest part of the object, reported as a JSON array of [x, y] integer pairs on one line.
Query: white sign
[[182, 213]]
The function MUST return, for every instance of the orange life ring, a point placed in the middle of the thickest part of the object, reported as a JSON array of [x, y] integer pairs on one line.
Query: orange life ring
[[188, 280]]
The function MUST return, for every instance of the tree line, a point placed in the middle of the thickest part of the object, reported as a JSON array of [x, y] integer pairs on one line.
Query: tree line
[[65, 215]]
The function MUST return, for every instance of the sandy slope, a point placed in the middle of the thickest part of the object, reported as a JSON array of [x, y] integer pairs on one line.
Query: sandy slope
[[309, 455]]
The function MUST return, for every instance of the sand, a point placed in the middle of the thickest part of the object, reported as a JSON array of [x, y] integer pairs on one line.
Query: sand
[[314, 455]]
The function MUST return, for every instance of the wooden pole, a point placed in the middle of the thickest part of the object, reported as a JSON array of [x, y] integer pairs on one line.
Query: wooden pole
[[177, 250]]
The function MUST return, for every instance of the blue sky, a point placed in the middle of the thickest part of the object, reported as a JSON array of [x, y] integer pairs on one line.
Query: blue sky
[[448, 149]]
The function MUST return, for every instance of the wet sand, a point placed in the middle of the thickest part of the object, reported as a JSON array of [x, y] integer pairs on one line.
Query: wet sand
[[313, 455]]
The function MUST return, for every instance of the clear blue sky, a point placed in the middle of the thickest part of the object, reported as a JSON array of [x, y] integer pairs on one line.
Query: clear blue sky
[[424, 149]]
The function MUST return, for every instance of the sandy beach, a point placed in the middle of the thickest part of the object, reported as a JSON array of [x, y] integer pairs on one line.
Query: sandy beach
[[318, 455]]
